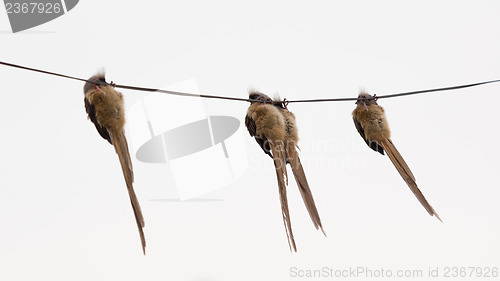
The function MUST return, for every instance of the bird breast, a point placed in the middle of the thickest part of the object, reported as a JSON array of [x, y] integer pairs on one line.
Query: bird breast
[[109, 107], [269, 122], [373, 121]]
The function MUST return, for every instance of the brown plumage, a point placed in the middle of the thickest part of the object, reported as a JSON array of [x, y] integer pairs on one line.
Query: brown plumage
[[105, 109], [369, 119], [274, 129]]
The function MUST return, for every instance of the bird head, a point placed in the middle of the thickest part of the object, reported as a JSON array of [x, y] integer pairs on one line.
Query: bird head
[[365, 99], [257, 97], [99, 77]]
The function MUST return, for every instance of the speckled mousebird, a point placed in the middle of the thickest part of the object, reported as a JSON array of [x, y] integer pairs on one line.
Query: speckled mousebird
[[274, 129], [105, 109], [371, 123]]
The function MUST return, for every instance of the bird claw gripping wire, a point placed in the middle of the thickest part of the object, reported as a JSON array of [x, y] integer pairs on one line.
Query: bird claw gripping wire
[[113, 84], [375, 98], [261, 101], [285, 103]]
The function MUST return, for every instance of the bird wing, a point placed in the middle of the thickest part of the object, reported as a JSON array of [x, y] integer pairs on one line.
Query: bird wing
[[372, 144], [407, 175], [280, 165], [262, 141], [120, 143], [305, 191], [92, 116]]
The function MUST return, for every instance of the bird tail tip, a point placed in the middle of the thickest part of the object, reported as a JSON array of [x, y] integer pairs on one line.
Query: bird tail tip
[[437, 217], [322, 230]]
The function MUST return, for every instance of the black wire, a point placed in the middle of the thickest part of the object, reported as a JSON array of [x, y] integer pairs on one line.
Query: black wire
[[50, 73], [248, 100], [400, 94], [438, 89], [179, 93]]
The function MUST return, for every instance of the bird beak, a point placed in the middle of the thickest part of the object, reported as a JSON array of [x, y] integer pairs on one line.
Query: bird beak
[[99, 89]]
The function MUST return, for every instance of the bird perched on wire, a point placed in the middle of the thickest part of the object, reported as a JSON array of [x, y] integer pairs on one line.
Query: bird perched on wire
[[274, 129], [371, 123], [105, 109]]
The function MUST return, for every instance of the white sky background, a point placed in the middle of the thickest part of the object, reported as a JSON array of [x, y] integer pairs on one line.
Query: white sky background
[[63, 203]]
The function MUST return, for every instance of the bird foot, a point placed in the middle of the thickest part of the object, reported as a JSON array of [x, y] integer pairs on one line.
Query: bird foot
[[375, 98]]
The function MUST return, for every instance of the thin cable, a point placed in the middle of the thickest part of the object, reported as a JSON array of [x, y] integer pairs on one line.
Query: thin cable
[[50, 73], [143, 89], [438, 89], [401, 94], [179, 93], [124, 86]]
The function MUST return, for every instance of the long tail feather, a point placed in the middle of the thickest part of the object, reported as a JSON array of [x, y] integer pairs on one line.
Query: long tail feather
[[280, 165], [305, 191], [121, 147], [402, 161], [407, 175]]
